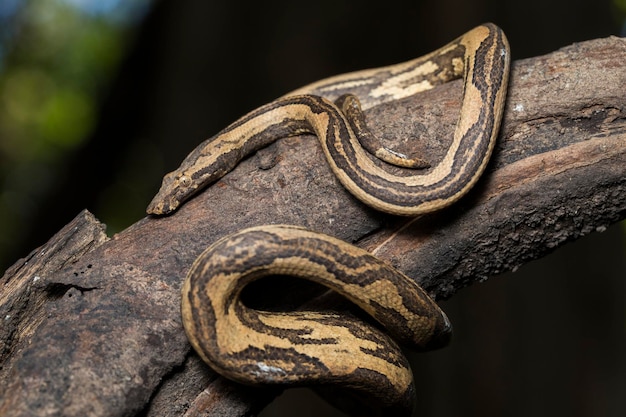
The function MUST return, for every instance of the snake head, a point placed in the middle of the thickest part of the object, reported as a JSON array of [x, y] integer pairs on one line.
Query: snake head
[[176, 188], [203, 166]]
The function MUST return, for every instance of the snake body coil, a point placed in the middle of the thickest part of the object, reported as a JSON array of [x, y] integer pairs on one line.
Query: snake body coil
[[481, 57], [254, 346], [307, 347]]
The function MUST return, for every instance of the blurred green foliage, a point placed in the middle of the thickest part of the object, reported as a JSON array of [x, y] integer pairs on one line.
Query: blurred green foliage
[[56, 60]]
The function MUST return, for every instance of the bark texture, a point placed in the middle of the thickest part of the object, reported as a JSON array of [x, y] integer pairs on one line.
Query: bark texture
[[91, 325]]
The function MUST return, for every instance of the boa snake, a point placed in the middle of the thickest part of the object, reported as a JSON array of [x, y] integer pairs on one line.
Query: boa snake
[[319, 348]]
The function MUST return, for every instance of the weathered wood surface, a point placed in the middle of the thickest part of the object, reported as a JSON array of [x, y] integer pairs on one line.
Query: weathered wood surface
[[91, 326]]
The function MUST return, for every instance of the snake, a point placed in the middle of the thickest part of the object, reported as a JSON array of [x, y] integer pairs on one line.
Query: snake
[[322, 348]]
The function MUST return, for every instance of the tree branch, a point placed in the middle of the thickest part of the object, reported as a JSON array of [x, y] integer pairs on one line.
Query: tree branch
[[92, 326]]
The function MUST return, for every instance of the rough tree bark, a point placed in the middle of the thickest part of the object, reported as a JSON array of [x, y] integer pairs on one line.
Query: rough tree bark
[[91, 326]]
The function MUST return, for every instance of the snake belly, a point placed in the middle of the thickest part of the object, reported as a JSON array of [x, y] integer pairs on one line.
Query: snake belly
[[252, 346], [308, 347]]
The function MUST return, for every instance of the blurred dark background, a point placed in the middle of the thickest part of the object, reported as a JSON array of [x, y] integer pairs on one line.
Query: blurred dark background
[[99, 98]]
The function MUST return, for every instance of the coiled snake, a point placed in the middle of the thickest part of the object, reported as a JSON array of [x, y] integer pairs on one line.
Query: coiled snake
[[258, 347]]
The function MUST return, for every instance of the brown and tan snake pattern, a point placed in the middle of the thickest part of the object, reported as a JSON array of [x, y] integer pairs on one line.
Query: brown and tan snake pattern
[[316, 348]]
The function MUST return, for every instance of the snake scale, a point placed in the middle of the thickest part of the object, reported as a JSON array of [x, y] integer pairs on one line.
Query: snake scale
[[325, 348]]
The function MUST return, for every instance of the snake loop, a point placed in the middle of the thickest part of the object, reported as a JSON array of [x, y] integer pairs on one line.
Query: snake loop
[[308, 347], [481, 57]]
